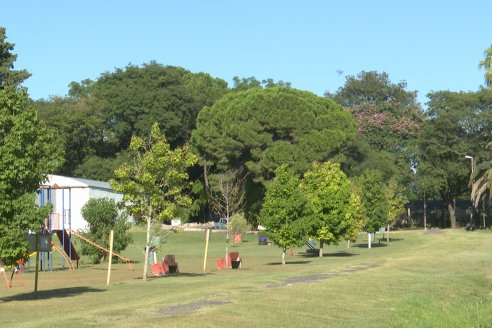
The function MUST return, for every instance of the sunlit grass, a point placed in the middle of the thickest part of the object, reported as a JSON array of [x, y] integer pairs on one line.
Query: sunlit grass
[[419, 279]]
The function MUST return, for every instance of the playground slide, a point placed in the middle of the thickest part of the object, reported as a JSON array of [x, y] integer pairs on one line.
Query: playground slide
[[68, 246], [124, 259]]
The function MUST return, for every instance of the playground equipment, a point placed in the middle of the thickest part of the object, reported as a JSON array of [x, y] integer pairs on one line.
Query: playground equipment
[[124, 259], [60, 223], [15, 271]]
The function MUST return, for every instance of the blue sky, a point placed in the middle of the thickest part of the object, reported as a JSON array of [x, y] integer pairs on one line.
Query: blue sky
[[432, 45]]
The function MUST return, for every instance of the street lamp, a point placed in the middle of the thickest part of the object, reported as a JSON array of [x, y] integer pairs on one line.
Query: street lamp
[[472, 169]]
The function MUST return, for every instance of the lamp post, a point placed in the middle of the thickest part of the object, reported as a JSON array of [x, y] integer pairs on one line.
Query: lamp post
[[472, 169]]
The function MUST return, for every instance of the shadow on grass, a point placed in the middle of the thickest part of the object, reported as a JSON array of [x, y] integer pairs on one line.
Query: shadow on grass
[[373, 245], [53, 293], [289, 262], [339, 254]]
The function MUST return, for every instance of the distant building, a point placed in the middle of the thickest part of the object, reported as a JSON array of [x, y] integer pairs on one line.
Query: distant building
[[68, 196]]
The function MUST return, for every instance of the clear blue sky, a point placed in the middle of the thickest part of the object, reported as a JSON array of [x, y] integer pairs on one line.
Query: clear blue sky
[[432, 45]]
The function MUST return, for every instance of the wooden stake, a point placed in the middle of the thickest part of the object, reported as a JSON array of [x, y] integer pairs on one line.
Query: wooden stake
[[207, 237], [110, 256]]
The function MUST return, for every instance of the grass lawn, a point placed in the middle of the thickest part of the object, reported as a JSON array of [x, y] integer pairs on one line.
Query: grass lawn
[[439, 278]]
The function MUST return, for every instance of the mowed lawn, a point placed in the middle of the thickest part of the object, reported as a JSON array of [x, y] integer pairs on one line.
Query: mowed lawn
[[439, 278]]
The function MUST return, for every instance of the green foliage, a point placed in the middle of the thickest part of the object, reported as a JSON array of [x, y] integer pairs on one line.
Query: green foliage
[[396, 200], [285, 210], [103, 216], [238, 224], [241, 84], [374, 198], [131, 99], [335, 210], [459, 124], [486, 64], [28, 152], [388, 117], [9, 76], [262, 129], [154, 184]]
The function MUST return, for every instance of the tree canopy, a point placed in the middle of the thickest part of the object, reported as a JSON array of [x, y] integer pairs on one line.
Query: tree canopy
[[9, 76], [262, 129], [155, 182], [28, 152]]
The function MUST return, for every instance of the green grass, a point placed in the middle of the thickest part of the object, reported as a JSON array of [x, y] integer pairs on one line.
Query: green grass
[[419, 279]]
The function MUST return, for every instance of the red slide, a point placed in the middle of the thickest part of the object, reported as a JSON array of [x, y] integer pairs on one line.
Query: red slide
[[68, 246]]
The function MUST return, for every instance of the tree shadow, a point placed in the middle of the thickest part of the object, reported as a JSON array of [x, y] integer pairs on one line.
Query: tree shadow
[[373, 245], [53, 293], [340, 254], [289, 262]]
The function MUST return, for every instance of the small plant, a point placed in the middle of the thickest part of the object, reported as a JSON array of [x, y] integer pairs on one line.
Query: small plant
[[238, 224]]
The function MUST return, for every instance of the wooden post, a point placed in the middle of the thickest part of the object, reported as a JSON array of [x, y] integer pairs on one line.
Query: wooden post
[[37, 265], [110, 256], [207, 237]]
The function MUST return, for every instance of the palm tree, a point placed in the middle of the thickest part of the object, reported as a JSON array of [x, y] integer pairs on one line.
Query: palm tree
[[481, 183], [486, 64]]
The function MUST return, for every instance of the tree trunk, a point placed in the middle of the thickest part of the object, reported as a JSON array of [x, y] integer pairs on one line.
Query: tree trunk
[[452, 214], [348, 243], [283, 256], [321, 248], [227, 249], [369, 240], [147, 246]]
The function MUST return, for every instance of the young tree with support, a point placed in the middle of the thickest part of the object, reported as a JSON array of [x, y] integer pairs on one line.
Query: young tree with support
[[285, 211], [375, 201], [335, 210], [154, 185]]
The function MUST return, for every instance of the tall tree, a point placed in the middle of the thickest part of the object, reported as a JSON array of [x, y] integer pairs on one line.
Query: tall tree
[[285, 211], [387, 115], [261, 129], [486, 64], [9, 76], [375, 201], [154, 185], [335, 210], [28, 152], [456, 127]]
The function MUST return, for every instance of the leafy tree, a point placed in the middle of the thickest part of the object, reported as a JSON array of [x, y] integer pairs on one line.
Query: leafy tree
[[28, 152], [242, 84], [131, 99], [154, 184], [261, 129], [375, 201], [9, 76], [103, 215], [457, 126], [285, 211], [387, 115], [335, 210]]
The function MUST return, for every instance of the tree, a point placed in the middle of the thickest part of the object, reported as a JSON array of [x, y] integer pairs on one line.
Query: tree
[[261, 129], [285, 211], [457, 126], [103, 215], [227, 197], [486, 64], [28, 152], [131, 99], [9, 76], [335, 210], [375, 201], [154, 185], [387, 115]]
